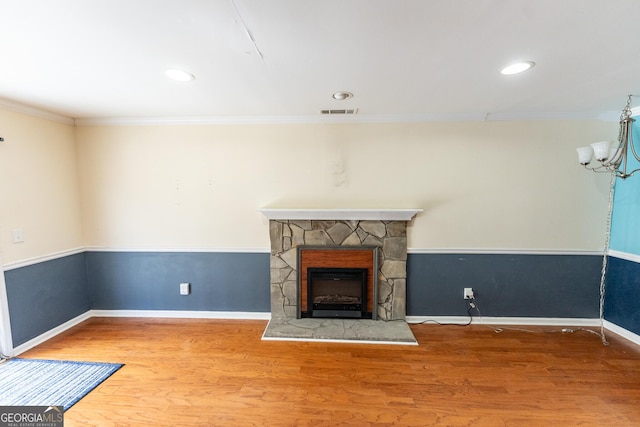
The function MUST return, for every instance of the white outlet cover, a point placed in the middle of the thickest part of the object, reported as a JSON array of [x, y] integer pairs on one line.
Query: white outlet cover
[[184, 289], [18, 235]]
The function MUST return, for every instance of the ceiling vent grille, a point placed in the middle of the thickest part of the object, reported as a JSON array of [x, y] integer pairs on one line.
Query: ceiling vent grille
[[349, 111]]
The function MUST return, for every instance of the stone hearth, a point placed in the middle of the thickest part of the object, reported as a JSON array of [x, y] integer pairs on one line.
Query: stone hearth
[[385, 229], [341, 330]]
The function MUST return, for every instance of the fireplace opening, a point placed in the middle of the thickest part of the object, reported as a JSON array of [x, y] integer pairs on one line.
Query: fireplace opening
[[337, 293]]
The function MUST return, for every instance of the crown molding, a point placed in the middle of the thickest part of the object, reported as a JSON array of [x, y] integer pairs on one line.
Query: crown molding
[[607, 116], [35, 112], [310, 119], [263, 120], [359, 118]]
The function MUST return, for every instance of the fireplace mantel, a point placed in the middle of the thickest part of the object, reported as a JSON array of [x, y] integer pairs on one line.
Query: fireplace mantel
[[341, 214]]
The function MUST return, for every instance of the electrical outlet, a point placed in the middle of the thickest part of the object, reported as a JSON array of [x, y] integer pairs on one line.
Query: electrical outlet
[[185, 288], [468, 293]]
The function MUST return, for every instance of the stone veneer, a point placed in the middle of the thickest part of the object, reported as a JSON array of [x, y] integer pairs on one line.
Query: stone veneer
[[389, 236]]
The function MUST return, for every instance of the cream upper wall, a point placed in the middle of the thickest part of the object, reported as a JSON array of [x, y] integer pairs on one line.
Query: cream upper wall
[[493, 185], [39, 187]]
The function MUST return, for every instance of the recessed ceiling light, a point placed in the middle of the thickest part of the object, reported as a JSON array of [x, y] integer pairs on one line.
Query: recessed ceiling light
[[518, 67], [179, 75], [341, 96]]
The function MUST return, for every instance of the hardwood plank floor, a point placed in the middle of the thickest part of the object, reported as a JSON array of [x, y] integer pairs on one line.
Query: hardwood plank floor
[[219, 373]]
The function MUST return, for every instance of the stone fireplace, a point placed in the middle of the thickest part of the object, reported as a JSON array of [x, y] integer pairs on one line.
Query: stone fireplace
[[385, 231]]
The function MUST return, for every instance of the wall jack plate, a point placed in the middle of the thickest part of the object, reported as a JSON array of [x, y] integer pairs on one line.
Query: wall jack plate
[[185, 288], [17, 235], [468, 293]]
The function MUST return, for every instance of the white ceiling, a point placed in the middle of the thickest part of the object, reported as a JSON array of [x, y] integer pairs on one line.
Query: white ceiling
[[257, 59]]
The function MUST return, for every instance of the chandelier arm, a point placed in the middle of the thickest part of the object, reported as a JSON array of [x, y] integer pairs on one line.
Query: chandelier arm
[[625, 174], [617, 173], [633, 148], [621, 149], [598, 169]]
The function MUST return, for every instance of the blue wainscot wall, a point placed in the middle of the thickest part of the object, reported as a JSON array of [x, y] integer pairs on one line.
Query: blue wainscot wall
[[48, 294], [505, 285], [622, 297], [43, 296], [150, 281]]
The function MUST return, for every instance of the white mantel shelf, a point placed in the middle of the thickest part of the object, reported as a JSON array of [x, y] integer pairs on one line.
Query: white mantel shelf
[[341, 214]]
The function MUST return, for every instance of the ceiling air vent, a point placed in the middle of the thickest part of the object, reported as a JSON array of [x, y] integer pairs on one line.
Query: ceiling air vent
[[350, 111]]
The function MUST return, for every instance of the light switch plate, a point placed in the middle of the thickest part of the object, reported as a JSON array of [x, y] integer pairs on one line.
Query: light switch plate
[[18, 235]]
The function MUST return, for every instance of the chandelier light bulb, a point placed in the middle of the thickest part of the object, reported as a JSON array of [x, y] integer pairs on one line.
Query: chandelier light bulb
[[614, 159], [585, 154], [601, 150]]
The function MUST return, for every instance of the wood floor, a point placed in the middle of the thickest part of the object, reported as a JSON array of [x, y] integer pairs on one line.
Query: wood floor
[[220, 373]]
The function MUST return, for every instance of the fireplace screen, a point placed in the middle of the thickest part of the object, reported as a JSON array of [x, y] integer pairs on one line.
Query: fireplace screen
[[337, 292]]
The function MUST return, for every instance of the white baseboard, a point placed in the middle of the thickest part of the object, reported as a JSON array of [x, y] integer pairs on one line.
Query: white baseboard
[[634, 338], [248, 315], [50, 334], [239, 315], [528, 321], [186, 314], [522, 321]]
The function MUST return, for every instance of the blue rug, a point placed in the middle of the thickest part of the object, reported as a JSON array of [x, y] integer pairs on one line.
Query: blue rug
[[32, 382]]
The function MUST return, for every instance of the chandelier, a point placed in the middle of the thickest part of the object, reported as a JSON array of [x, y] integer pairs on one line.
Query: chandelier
[[613, 160]]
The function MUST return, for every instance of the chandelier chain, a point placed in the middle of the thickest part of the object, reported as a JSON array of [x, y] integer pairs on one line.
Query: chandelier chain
[[603, 271], [626, 112]]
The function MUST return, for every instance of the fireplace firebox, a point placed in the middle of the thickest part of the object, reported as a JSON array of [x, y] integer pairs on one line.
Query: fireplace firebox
[[353, 293], [337, 293]]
